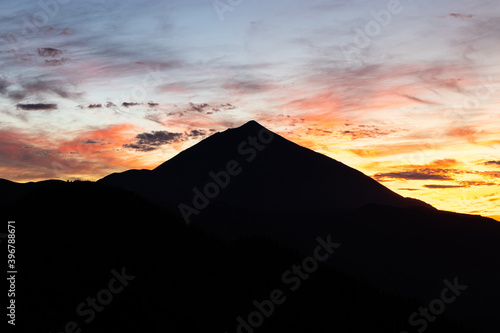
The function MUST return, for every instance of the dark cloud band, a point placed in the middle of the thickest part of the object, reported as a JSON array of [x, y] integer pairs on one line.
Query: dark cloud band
[[37, 107], [153, 140]]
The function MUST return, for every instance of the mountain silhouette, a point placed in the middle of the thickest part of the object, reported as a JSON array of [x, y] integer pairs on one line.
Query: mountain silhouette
[[240, 207], [292, 194], [274, 173]]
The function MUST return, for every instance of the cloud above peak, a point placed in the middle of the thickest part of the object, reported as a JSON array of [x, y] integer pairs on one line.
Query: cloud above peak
[[149, 141]]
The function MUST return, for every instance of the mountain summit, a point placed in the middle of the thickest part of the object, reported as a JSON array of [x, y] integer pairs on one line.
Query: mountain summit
[[268, 172]]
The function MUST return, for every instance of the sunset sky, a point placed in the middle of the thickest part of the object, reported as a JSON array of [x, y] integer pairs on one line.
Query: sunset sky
[[407, 92]]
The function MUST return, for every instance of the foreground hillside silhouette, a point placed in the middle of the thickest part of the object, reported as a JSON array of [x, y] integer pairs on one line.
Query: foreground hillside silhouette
[[215, 228], [72, 235]]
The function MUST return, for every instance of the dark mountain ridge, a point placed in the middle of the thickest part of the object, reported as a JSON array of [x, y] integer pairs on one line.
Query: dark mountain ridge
[[274, 173]]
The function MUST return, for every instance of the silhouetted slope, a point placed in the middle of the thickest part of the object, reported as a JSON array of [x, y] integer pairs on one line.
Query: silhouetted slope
[[70, 237], [10, 191], [406, 250], [412, 251]]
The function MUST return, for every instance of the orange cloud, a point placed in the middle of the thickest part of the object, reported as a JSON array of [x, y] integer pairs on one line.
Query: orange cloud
[[89, 154], [442, 186], [94, 141], [468, 133], [442, 163], [317, 107], [380, 150], [354, 132], [447, 162]]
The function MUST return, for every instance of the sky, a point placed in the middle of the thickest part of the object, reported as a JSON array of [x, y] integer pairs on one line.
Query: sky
[[407, 92]]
